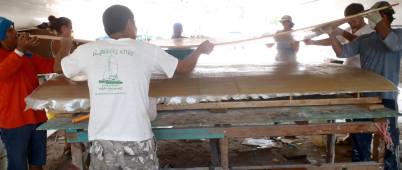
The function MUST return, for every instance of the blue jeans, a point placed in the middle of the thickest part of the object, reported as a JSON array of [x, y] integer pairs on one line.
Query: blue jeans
[[24, 145], [361, 142]]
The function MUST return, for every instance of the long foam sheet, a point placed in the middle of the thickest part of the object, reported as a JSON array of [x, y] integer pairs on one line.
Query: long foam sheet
[[212, 83], [297, 34]]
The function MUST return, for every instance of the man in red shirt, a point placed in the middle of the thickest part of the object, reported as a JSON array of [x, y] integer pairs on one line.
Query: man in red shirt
[[18, 78]]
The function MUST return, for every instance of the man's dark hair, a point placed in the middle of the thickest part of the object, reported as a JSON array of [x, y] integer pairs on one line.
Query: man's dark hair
[[115, 19], [57, 23], [389, 12], [177, 25], [353, 9]]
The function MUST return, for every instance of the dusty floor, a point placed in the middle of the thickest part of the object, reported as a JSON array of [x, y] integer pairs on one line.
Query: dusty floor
[[196, 153]]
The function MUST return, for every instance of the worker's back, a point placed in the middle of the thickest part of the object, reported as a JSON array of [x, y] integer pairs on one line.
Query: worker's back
[[119, 73]]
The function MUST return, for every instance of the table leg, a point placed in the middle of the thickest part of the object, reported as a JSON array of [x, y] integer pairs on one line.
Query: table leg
[[214, 145], [378, 148], [76, 154], [331, 141], [224, 149]]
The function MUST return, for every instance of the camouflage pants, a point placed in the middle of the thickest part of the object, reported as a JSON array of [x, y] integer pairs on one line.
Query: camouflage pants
[[116, 155]]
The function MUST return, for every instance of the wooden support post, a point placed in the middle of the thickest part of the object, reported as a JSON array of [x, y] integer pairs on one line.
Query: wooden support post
[[224, 149], [215, 155], [76, 154], [378, 148], [331, 141]]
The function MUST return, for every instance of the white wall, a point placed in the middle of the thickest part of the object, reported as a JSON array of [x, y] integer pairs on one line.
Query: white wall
[[208, 17]]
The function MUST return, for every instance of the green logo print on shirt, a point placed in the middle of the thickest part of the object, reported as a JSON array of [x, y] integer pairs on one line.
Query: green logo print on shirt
[[110, 75], [109, 82]]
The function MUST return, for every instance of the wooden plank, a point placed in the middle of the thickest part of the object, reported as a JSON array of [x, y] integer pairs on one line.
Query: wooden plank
[[265, 116], [293, 130], [375, 149], [331, 140], [241, 117], [378, 148], [189, 133], [215, 152], [75, 136], [372, 106], [224, 151], [52, 37], [248, 131], [336, 166], [270, 103], [77, 155]]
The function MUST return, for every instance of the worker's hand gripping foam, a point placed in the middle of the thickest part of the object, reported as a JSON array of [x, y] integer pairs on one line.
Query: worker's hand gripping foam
[[338, 31], [24, 42], [374, 18], [328, 29]]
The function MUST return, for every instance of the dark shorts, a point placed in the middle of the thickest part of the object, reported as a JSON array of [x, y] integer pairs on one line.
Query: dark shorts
[[24, 144]]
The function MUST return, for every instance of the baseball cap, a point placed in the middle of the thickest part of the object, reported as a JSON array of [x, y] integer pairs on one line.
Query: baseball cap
[[5, 24], [286, 18]]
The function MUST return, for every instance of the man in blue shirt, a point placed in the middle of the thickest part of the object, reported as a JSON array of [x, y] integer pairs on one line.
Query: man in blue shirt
[[380, 52]]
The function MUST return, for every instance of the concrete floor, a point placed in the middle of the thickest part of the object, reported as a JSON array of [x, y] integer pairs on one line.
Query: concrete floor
[[3, 162]]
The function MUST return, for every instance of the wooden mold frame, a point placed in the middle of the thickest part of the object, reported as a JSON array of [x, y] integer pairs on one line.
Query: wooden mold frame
[[322, 100]]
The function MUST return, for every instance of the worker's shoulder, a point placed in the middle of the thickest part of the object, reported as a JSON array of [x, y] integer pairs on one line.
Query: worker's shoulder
[[4, 53], [366, 36], [128, 44], [145, 44], [397, 30]]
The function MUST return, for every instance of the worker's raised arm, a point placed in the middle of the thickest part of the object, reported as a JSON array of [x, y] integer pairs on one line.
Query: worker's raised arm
[[345, 51], [187, 65], [349, 36], [66, 44], [295, 45], [336, 45], [322, 42], [73, 64], [12, 63], [327, 41], [394, 40]]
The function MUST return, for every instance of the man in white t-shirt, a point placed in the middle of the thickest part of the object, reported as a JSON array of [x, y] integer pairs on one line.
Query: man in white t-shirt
[[357, 28], [119, 72]]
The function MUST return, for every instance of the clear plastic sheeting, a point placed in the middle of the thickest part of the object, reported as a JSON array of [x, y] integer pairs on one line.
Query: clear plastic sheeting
[[205, 99], [59, 106], [83, 105]]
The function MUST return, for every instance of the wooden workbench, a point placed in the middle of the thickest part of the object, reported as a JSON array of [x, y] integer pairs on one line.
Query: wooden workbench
[[257, 122]]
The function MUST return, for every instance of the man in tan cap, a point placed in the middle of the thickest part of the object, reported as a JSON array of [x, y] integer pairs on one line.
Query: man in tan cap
[[285, 44]]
